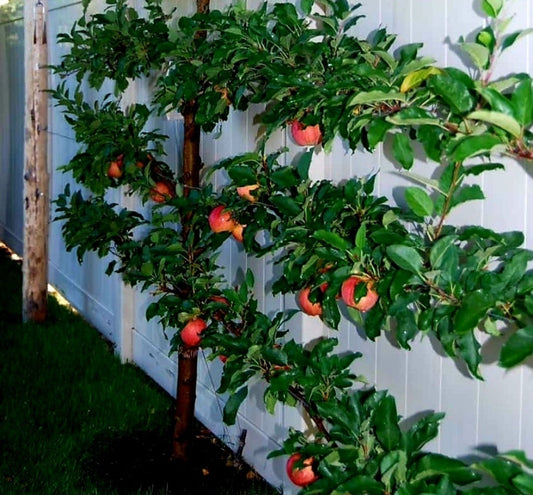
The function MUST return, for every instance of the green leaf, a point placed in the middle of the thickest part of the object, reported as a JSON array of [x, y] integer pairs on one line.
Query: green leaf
[[406, 257], [376, 96], [152, 310], [473, 308], [286, 205], [242, 174], [147, 268], [419, 201], [487, 38], [440, 249], [518, 347], [393, 467], [518, 457], [522, 99], [416, 78], [479, 54], [376, 130], [473, 146], [430, 137], [402, 150], [386, 423], [303, 164], [360, 237], [331, 238], [467, 193], [484, 167], [270, 400], [524, 483], [497, 101], [512, 38], [515, 269], [502, 470], [453, 91], [424, 430], [492, 7], [437, 464], [469, 350], [499, 119], [407, 329], [232, 405], [284, 177], [360, 484]]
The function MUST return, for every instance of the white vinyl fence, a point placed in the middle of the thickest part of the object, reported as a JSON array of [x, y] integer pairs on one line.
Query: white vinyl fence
[[496, 411]]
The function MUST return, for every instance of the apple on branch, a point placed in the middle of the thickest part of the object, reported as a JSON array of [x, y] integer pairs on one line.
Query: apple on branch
[[220, 220], [116, 168], [238, 232], [191, 332], [245, 192], [307, 306], [161, 192], [303, 473], [303, 135], [348, 290]]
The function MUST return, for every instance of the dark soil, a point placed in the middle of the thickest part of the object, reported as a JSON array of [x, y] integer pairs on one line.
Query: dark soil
[[138, 462]]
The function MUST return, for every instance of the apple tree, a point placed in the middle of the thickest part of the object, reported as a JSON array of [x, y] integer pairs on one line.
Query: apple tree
[[339, 245]]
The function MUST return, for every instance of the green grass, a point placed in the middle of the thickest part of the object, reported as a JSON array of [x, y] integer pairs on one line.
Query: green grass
[[74, 420]]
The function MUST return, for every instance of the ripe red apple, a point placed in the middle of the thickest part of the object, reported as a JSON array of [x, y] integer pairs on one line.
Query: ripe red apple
[[302, 135], [301, 476], [219, 314], [237, 232], [348, 293], [244, 192], [161, 192], [190, 334], [219, 299], [308, 307], [115, 170], [220, 220]]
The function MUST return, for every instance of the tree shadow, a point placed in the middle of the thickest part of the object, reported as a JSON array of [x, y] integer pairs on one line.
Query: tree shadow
[[130, 462]]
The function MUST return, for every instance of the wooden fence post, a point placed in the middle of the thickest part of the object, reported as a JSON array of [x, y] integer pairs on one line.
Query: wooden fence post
[[36, 183]]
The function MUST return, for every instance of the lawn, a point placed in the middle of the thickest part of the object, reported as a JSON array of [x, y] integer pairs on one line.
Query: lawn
[[75, 420]]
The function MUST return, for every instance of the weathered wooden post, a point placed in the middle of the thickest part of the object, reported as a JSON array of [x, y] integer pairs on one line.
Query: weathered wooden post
[[36, 194]]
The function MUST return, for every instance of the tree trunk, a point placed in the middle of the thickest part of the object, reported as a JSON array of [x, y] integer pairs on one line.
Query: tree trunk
[[187, 358], [185, 402], [36, 193]]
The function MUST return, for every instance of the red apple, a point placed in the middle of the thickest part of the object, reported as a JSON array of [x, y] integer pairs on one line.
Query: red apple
[[244, 192], [219, 299], [161, 192], [348, 293], [301, 476], [115, 170], [190, 334], [220, 220], [308, 307], [219, 314], [302, 135], [223, 358], [237, 232]]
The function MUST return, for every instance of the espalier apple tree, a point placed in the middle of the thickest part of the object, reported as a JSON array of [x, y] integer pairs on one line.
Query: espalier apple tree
[[337, 244]]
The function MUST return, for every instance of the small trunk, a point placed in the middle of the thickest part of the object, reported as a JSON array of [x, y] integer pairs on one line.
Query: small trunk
[[192, 162], [187, 358], [185, 401]]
